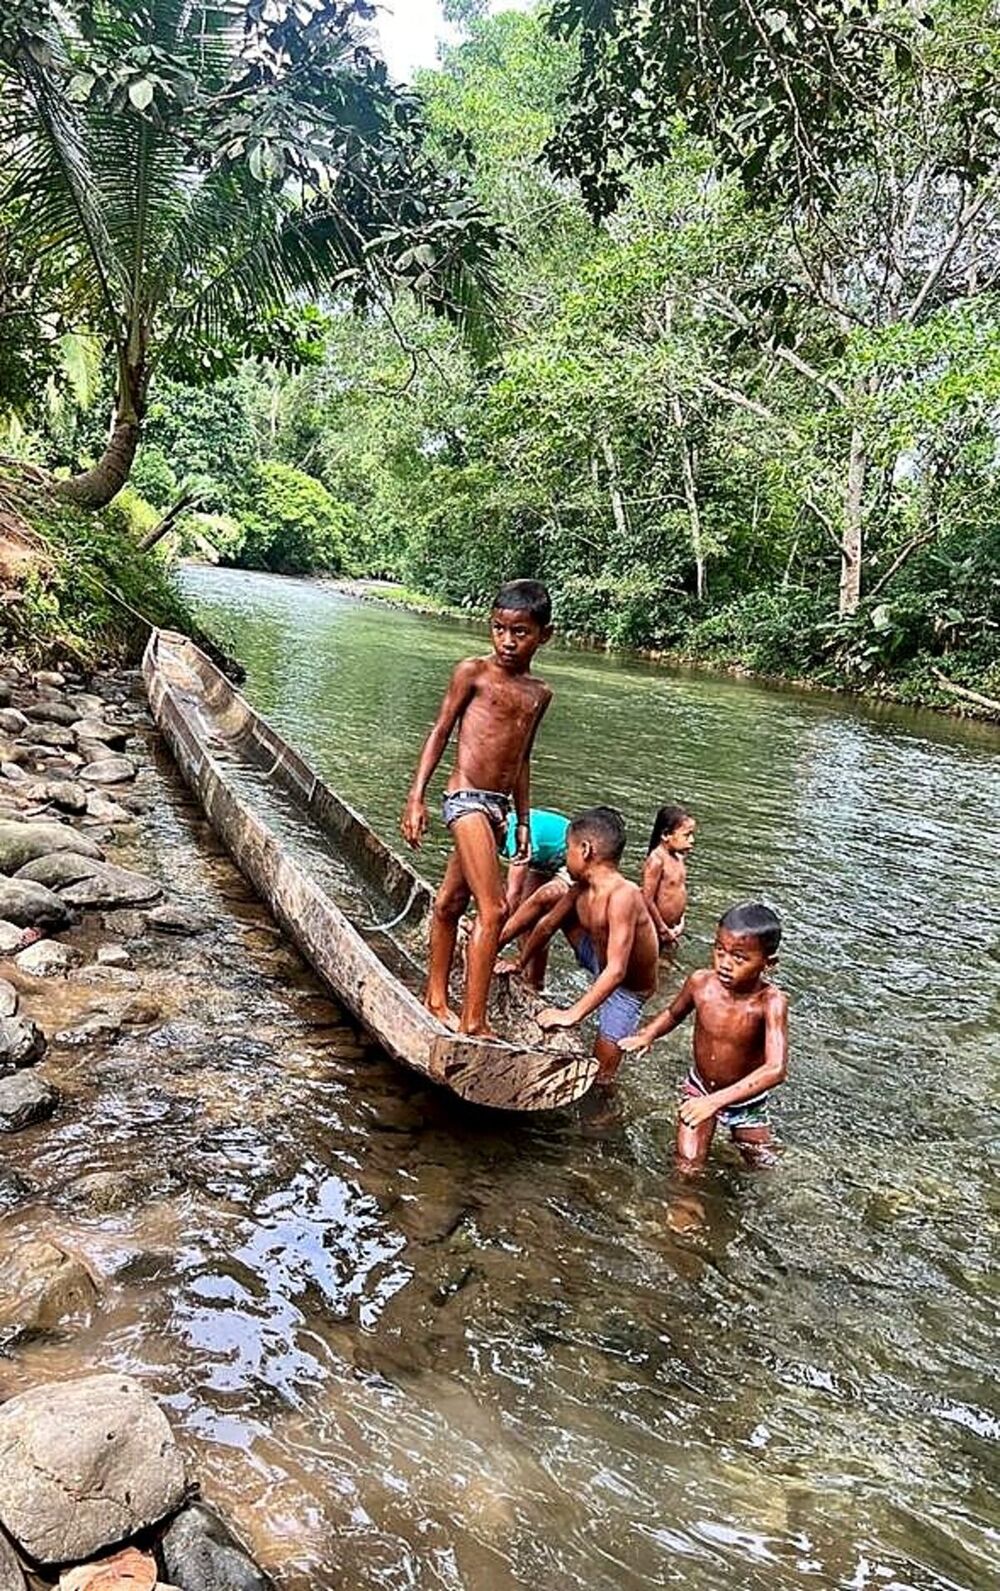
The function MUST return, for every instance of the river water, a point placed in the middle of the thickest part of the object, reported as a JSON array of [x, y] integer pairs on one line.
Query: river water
[[410, 1344]]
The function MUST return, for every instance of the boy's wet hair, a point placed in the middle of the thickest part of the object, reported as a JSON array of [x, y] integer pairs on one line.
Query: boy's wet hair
[[666, 821], [756, 921], [605, 826], [525, 596]]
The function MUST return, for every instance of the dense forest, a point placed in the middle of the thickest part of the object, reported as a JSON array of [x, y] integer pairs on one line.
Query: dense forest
[[699, 324]]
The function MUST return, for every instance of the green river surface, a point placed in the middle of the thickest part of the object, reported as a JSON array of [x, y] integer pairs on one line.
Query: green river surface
[[485, 1357]]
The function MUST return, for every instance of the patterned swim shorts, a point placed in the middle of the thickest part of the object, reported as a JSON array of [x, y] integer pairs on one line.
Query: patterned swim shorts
[[750, 1113]]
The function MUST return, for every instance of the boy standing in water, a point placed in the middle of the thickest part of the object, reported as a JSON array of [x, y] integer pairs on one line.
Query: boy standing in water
[[664, 876], [605, 919], [497, 705], [740, 1039]]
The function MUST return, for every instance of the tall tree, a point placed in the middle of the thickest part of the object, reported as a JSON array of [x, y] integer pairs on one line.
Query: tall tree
[[196, 171]]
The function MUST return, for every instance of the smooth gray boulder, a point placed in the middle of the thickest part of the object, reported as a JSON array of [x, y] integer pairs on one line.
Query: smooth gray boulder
[[24, 1099], [58, 736], [11, 1578], [23, 842], [111, 887], [41, 1286], [87, 705], [65, 794], [10, 937], [98, 729], [47, 958], [59, 868], [200, 1553], [104, 810], [12, 722], [22, 1042], [32, 905], [48, 679], [84, 1465], [52, 711], [110, 770]]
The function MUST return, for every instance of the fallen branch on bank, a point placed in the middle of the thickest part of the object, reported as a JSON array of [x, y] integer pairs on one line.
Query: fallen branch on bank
[[965, 694]]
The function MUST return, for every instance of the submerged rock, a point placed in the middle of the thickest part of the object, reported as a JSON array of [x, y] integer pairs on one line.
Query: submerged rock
[[101, 1028], [22, 1043], [14, 1190], [104, 811], [21, 843], [84, 1465], [41, 1286], [32, 905], [97, 731], [24, 1099], [174, 918], [200, 1553]]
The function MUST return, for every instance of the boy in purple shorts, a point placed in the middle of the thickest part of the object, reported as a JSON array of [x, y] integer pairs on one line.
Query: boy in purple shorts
[[607, 922]]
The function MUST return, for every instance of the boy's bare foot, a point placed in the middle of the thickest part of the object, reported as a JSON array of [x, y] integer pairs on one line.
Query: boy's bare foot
[[481, 1031], [445, 1015]]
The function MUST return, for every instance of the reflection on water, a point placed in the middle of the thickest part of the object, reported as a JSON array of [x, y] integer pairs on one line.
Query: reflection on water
[[416, 1345]]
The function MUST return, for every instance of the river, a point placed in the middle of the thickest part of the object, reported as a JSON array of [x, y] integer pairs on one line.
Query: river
[[420, 1346]]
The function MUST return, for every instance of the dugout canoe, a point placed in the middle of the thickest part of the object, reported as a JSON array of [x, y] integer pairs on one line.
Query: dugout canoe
[[357, 911]]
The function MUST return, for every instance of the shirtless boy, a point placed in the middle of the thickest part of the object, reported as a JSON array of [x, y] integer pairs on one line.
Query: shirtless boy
[[664, 876], [604, 917], [497, 705], [740, 1039]]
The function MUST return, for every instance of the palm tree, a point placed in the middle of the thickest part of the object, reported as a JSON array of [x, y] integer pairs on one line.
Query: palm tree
[[196, 170]]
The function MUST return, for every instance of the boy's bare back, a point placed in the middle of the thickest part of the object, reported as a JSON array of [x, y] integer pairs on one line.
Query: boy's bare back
[[614, 899]]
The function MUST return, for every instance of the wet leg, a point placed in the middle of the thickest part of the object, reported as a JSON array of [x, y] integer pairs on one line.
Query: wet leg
[[449, 904], [476, 849], [693, 1144], [757, 1146], [609, 1058]]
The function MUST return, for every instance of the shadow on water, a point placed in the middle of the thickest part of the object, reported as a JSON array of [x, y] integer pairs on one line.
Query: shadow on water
[[413, 1344]]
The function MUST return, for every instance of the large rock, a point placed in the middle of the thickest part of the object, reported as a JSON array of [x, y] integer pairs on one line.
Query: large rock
[[12, 722], [32, 905], [21, 843], [48, 679], [201, 1554], [87, 706], [54, 711], [84, 1465], [8, 998], [10, 937], [103, 810], [98, 729], [111, 887], [110, 770], [55, 735], [11, 1578], [65, 794], [59, 868], [41, 1285], [22, 1043], [47, 959], [24, 1099]]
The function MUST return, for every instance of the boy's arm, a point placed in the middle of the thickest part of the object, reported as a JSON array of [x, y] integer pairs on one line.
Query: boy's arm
[[544, 931], [651, 875], [522, 789], [772, 1070], [681, 1006], [456, 699], [621, 937]]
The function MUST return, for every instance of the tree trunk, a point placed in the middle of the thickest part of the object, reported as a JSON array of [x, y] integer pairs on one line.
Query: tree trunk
[[852, 541], [615, 491], [160, 529], [95, 488]]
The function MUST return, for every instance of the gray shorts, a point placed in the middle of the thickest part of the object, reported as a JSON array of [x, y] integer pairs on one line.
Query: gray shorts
[[618, 1016], [494, 806]]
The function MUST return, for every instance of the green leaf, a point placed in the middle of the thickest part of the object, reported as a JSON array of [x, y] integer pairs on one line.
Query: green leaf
[[140, 92]]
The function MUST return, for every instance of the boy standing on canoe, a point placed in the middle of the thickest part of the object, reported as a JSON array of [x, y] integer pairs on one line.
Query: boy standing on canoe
[[497, 705]]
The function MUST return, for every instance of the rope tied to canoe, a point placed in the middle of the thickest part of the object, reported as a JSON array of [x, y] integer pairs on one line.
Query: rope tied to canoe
[[383, 928]]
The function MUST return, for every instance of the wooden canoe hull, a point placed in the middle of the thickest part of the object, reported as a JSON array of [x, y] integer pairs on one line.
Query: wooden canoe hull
[[199, 712]]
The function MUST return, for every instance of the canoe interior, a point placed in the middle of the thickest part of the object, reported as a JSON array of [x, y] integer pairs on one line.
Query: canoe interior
[[359, 912]]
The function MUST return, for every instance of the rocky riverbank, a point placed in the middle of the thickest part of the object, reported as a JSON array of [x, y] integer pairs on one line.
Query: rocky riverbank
[[95, 1492]]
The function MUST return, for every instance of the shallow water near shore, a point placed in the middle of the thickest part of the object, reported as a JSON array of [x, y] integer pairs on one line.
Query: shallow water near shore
[[410, 1344]]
